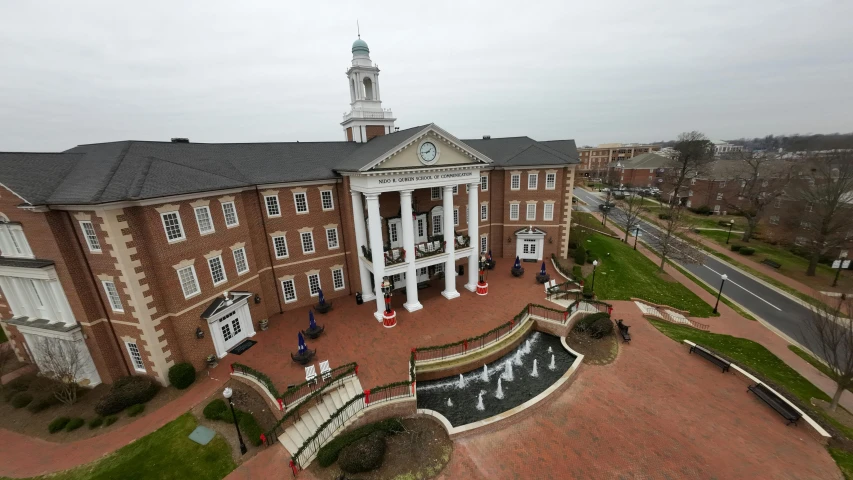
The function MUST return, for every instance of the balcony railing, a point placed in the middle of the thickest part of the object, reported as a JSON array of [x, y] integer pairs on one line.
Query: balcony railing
[[384, 113], [395, 256]]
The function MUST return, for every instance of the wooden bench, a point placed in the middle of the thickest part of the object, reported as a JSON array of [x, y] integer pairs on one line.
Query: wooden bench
[[623, 331], [723, 364], [771, 263], [781, 406]]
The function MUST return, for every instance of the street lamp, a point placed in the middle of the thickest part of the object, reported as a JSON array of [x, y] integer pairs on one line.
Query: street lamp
[[227, 393], [841, 265], [731, 225], [724, 277], [594, 265], [636, 235]]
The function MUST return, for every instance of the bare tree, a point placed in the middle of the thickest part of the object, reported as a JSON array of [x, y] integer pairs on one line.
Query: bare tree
[[64, 362], [691, 158], [825, 191], [833, 334], [630, 209], [761, 180]]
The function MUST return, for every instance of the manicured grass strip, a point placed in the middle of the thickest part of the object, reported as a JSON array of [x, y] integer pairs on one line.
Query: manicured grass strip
[[844, 460], [750, 354], [626, 273], [164, 454], [812, 360], [710, 290]]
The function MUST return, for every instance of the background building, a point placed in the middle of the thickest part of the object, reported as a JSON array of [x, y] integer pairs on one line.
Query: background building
[[595, 160]]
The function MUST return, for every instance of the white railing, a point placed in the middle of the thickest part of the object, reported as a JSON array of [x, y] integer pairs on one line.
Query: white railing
[[384, 113]]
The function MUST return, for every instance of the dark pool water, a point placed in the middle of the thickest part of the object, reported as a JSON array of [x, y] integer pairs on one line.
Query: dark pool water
[[463, 406]]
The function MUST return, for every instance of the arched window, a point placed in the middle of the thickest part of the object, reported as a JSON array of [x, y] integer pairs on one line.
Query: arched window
[[368, 88]]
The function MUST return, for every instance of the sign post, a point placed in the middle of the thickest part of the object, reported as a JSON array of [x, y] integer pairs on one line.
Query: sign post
[[840, 264]]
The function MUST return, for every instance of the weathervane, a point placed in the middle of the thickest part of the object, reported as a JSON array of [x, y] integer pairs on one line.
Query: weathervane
[[358, 28]]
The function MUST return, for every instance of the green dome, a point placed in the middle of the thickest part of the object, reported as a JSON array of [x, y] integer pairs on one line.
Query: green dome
[[360, 46]]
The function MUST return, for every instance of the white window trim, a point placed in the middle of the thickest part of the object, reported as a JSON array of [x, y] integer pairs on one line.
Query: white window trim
[[296, 205], [527, 212], [331, 198], [209, 216], [319, 284], [513, 177], [439, 224], [180, 226], [545, 214], [267, 205], [484, 238], [535, 178], [551, 175], [133, 359], [245, 260], [195, 278], [517, 211], [337, 239], [455, 189], [432, 190], [116, 308], [284, 292], [225, 216], [286, 248], [343, 280], [89, 239], [484, 213], [455, 216], [221, 264], [484, 183], [302, 243]]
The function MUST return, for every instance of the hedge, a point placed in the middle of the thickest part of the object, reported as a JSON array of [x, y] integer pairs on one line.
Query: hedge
[[328, 454], [664, 216], [580, 255], [215, 409], [42, 403], [110, 420], [584, 323], [95, 423], [74, 424], [182, 375], [22, 399], [135, 410], [58, 424], [218, 410], [577, 273], [736, 248], [125, 392], [746, 251]]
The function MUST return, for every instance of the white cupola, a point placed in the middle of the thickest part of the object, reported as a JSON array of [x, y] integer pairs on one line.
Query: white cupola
[[366, 118]]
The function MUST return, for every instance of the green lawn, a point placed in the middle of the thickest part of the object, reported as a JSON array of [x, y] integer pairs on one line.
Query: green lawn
[[626, 273], [844, 460], [710, 290], [164, 454], [3, 336]]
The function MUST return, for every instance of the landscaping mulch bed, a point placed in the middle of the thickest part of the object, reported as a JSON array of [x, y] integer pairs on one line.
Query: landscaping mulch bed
[[420, 452], [595, 351], [246, 399], [23, 421], [843, 416]]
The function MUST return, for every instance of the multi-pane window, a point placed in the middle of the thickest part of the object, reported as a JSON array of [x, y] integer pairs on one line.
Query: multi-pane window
[[455, 217], [435, 193], [332, 237], [13, 241], [240, 260], [548, 212], [135, 356], [189, 282], [307, 242], [280, 244], [205, 222], [230, 213], [513, 211], [484, 212], [172, 225], [392, 232], [515, 181], [314, 284], [301, 202], [532, 181], [91, 236], [484, 183], [217, 270], [436, 224], [273, 209], [531, 211], [338, 278], [550, 181], [112, 296], [326, 200], [455, 189], [484, 244], [289, 290], [421, 227]]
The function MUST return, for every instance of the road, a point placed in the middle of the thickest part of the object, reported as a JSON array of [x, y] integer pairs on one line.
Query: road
[[779, 310]]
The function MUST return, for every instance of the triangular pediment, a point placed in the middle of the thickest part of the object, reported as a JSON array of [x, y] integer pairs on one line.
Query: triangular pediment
[[430, 147]]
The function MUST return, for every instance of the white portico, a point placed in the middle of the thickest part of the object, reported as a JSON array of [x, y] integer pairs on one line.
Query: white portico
[[420, 158]]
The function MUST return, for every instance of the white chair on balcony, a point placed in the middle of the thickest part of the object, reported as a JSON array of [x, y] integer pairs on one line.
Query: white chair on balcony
[[311, 374], [325, 370], [396, 255], [431, 247]]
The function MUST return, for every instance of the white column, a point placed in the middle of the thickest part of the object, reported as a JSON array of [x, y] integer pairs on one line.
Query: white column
[[408, 226], [474, 235], [450, 242], [361, 239], [378, 258]]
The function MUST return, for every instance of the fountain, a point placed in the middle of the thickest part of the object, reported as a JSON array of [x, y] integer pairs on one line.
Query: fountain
[[526, 348], [550, 350], [535, 372], [500, 393], [480, 405], [485, 373], [461, 383], [553, 365], [507, 371], [517, 358], [449, 402]]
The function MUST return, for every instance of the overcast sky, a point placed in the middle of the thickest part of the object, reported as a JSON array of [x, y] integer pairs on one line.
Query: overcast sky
[[77, 72]]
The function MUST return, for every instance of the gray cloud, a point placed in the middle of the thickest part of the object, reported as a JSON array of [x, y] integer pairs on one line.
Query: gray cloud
[[81, 72]]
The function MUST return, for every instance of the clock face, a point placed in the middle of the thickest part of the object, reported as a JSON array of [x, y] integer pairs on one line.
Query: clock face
[[428, 153]]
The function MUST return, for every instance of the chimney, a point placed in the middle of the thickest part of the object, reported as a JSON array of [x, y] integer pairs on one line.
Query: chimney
[[487, 137], [180, 140]]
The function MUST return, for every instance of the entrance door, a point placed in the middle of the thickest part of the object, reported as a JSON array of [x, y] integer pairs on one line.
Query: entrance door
[[528, 249], [395, 232], [231, 329], [421, 228]]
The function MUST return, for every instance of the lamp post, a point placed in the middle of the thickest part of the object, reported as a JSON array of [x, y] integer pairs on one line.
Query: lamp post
[[594, 266], [731, 225], [636, 235], [724, 277], [227, 393], [840, 261]]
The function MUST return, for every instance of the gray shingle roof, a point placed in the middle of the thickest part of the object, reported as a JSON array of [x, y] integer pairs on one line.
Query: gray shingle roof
[[137, 170], [646, 160]]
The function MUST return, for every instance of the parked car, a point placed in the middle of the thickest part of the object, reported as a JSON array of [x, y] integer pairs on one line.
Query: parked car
[[606, 206]]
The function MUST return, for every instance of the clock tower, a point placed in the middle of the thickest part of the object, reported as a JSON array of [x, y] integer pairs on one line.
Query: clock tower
[[366, 118]]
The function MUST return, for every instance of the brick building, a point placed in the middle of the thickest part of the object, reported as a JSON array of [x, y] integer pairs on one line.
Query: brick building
[[145, 254], [594, 161]]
